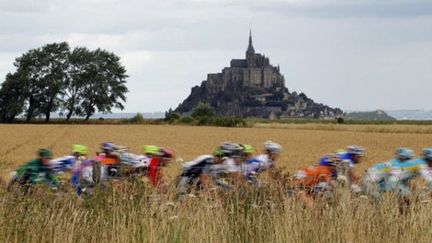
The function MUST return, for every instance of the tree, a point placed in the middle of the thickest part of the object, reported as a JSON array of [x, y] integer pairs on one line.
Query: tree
[[170, 116], [106, 87], [79, 72], [79, 82], [12, 98], [44, 72], [202, 109]]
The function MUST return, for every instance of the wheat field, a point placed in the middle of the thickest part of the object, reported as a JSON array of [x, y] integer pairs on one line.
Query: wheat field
[[133, 212]]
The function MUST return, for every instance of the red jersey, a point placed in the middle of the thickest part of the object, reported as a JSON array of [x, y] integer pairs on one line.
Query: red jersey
[[153, 171]]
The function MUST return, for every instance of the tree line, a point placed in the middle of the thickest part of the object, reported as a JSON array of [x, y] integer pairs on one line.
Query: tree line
[[56, 78]]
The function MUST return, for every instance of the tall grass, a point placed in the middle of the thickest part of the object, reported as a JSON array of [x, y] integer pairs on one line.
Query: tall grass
[[133, 212]]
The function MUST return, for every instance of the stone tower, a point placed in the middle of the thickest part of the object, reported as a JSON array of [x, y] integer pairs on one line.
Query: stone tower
[[250, 52]]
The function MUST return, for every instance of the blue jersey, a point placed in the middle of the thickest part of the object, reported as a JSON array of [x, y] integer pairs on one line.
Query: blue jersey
[[380, 174], [347, 158], [405, 171]]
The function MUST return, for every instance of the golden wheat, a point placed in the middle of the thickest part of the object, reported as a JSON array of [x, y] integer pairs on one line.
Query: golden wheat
[[134, 213]]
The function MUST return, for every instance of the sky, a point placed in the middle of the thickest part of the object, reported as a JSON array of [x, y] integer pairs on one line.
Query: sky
[[352, 54]]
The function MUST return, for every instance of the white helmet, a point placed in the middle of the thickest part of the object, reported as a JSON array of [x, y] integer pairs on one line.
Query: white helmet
[[355, 149], [272, 147]]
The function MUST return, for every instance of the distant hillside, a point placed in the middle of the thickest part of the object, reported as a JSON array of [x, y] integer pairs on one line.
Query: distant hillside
[[410, 114], [378, 115]]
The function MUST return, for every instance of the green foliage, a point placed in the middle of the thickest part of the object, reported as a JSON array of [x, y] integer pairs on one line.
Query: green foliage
[[202, 110], [171, 116], [340, 120], [378, 115], [42, 73], [80, 82], [11, 98], [221, 121], [138, 118], [106, 89], [186, 120]]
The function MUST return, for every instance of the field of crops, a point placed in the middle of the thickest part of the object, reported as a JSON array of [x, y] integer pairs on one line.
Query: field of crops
[[127, 214]]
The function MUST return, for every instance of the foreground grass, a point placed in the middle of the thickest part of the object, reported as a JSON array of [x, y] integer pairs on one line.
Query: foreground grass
[[134, 213]]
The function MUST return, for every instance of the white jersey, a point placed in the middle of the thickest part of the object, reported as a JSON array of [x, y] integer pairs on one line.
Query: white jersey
[[198, 160], [135, 160], [257, 165], [231, 166], [426, 173], [62, 164]]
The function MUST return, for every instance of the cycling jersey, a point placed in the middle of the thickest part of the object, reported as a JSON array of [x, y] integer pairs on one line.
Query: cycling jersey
[[347, 158], [404, 172], [34, 172], [154, 171], [256, 165], [198, 166], [313, 175], [232, 166], [62, 164], [314, 178], [379, 178]]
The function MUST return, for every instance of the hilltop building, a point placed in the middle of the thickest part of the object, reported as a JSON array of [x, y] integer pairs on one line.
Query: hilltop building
[[252, 87]]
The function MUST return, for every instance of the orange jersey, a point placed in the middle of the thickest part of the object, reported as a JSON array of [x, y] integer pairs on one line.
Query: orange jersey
[[313, 175]]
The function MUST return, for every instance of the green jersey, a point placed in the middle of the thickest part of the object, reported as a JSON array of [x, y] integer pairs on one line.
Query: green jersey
[[34, 172]]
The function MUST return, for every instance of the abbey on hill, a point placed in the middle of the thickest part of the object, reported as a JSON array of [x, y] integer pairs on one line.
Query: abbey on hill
[[252, 87]]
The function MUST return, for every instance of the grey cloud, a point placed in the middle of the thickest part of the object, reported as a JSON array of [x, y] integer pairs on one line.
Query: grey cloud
[[324, 47], [358, 9]]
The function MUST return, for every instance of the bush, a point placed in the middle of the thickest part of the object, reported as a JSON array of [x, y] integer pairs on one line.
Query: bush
[[221, 121], [186, 120], [340, 120], [138, 118], [202, 110], [171, 116]]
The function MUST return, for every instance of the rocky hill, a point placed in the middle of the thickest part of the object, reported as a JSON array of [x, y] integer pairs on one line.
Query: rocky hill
[[378, 115], [252, 87]]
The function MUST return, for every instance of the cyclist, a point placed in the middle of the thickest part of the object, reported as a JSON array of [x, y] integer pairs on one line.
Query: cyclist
[[36, 171], [263, 162], [347, 160], [383, 177], [67, 163], [232, 163], [201, 173], [159, 159], [316, 180], [411, 169]]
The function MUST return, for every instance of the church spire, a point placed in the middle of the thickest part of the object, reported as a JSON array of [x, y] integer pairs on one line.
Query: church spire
[[250, 49]]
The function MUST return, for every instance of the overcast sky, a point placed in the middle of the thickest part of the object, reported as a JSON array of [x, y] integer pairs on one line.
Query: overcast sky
[[353, 54]]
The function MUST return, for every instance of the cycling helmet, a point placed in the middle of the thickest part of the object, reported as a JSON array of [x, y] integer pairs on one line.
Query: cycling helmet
[[45, 153], [230, 149], [340, 151], [166, 153], [79, 149], [404, 153], [427, 153], [108, 147], [355, 150], [218, 152], [151, 149], [326, 161], [247, 149], [272, 147]]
